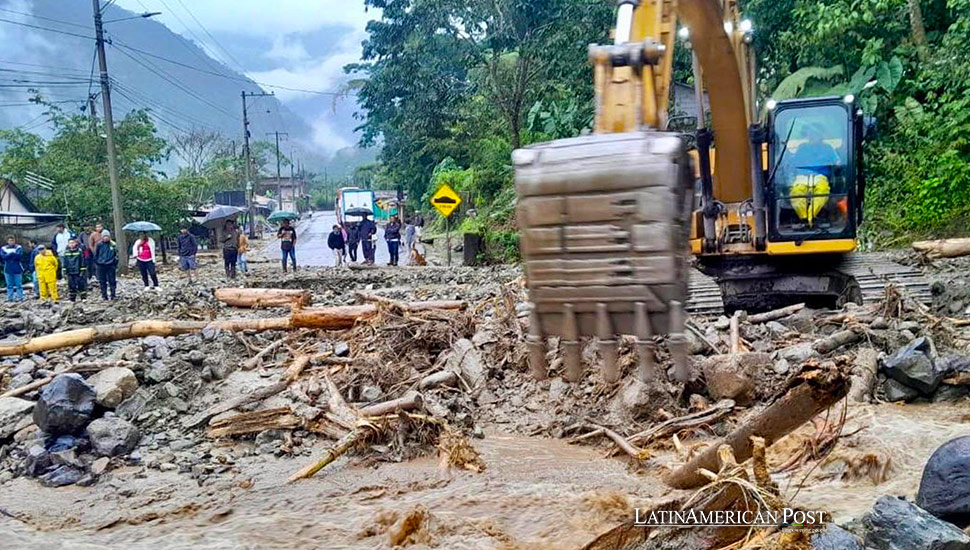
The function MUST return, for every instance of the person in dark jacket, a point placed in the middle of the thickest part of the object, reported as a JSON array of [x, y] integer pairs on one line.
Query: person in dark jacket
[[12, 257], [392, 235], [367, 230], [106, 260], [287, 237], [336, 243], [353, 239], [76, 270], [188, 248], [230, 247]]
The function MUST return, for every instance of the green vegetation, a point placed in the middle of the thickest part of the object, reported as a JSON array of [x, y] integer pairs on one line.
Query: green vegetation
[[451, 88]]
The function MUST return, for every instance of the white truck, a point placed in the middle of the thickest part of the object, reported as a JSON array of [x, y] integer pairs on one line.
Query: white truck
[[352, 202]]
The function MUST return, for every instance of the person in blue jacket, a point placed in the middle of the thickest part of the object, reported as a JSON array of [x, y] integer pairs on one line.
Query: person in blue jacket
[[12, 256]]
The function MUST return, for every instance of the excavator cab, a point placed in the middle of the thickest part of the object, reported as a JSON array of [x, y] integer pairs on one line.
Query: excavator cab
[[813, 178]]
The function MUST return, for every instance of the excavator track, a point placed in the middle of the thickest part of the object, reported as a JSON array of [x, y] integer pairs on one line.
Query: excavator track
[[872, 271]]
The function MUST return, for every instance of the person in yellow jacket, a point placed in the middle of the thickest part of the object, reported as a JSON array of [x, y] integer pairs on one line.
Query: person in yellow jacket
[[46, 265]]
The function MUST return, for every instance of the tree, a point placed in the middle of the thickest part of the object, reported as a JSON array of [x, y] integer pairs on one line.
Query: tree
[[197, 148]]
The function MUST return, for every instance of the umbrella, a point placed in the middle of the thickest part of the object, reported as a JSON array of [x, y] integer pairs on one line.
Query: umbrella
[[220, 214], [282, 215], [141, 226], [359, 211]]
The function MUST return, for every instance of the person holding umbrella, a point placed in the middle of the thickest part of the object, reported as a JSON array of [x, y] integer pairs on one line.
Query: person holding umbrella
[[143, 251], [353, 239], [287, 237]]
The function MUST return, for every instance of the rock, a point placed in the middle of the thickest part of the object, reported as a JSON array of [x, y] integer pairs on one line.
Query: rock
[[196, 358], [113, 385], [268, 436], [37, 461], [12, 411], [218, 371], [911, 326], [21, 380], [25, 366], [734, 376], [898, 392], [722, 323], [210, 333], [178, 404], [913, 366], [944, 489], [61, 476], [113, 436], [879, 323], [341, 349], [799, 353], [66, 457], [65, 405], [484, 337], [835, 538], [776, 328], [894, 524], [371, 394], [557, 389], [781, 366], [162, 352], [181, 445], [952, 364], [946, 392], [99, 466], [61, 443], [159, 372], [465, 359], [170, 389], [134, 405]]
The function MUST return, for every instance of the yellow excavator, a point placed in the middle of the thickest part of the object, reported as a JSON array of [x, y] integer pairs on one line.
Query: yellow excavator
[[607, 219]]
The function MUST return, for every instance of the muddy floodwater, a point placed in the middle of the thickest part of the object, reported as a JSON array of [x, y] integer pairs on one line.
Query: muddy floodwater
[[535, 494]]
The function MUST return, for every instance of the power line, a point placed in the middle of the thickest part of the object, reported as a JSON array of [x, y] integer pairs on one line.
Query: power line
[[209, 34], [59, 21], [165, 76], [226, 76], [12, 22], [143, 99], [205, 58]]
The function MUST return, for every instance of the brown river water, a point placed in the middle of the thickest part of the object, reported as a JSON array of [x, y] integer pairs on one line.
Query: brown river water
[[535, 494]]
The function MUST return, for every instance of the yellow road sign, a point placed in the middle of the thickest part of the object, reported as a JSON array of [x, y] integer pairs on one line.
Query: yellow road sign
[[445, 200]]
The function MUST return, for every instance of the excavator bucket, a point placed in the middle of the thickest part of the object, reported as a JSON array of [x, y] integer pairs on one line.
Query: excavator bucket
[[604, 225]]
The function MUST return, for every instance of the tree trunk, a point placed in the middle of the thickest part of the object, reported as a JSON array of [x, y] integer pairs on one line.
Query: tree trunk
[[263, 297], [943, 248], [819, 390], [917, 28]]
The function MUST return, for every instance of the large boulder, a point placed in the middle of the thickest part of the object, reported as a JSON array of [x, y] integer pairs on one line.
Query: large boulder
[[12, 411], [733, 376], [113, 385], [894, 524], [65, 406], [944, 490], [465, 359], [836, 538], [913, 366], [113, 436]]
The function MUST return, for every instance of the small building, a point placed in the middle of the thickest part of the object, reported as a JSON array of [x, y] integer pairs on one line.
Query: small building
[[20, 217], [292, 192]]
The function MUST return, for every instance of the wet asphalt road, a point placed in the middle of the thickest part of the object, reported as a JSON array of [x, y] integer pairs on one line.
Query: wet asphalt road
[[311, 245]]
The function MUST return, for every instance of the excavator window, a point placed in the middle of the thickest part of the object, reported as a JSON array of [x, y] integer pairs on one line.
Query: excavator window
[[811, 176]]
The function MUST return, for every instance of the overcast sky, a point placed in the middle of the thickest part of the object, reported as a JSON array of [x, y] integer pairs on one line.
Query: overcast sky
[[293, 43]]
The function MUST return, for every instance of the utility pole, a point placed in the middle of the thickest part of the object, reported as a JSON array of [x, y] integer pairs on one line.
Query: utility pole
[[250, 186], [116, 198], [279, 178]]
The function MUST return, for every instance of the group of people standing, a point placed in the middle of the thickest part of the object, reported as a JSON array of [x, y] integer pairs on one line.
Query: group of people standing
[[344, 239], [77, 258]]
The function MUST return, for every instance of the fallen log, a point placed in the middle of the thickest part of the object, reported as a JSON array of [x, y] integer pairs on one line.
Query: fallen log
[[864, 370], [292, 373], [943, 248], [326, 318], [251, 363], [774, 315], [263, 297], [349, 441], [714, 412], [253, 422], [441, 378], [409, 401], [837, 340], [28, 388], [818, 390], [401, 307]]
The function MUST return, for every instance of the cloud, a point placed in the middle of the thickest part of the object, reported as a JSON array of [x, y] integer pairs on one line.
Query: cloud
[[312, 74], [287, 50], [259, 18], [326, 137]]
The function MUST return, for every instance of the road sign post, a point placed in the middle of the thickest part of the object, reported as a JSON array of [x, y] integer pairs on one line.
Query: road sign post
[[446, 201]]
